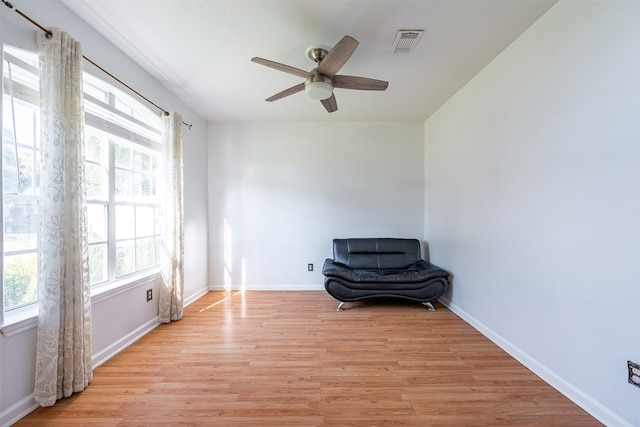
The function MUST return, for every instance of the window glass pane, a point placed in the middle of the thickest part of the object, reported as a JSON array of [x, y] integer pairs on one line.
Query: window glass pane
[[143, 187], [123, 185], [37, 172], [7, 119], [26, 122], [28, 179], [125, 222], [20, 223], [97, 181], [27, 160], [98, 263], [20, 278], [141, 161], [14, 242], [144, 221], [97, 218], [125, 257], [145, 253], [123, 157], [96, 146], [9, 168]]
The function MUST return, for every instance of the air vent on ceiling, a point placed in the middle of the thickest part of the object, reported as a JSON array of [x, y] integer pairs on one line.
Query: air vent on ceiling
[[406, 40]]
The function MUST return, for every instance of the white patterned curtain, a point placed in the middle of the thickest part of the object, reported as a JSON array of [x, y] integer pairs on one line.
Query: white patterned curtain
[[170, 300], [63, 357]]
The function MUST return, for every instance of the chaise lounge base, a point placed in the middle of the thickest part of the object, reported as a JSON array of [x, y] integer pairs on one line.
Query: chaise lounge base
[[429, 306], [382, 268]]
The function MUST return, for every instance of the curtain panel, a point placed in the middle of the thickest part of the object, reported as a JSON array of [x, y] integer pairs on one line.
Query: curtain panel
[[170, 300], [63, 352]]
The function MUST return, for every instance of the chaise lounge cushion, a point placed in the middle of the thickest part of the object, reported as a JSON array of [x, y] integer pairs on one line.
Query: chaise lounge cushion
[[416, 272]]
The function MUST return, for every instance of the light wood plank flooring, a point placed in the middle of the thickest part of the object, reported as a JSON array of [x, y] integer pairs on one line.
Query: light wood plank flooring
[[290, 359]]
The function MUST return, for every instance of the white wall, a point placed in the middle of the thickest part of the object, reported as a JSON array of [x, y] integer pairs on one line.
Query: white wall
[[286, 189], [533, 201], [119, 317]]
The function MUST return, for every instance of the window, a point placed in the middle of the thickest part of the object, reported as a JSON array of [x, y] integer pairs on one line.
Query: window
[[122, 149], [20, 178]]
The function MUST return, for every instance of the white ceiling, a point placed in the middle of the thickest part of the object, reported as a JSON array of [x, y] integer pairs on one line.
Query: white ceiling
[[201, 50]]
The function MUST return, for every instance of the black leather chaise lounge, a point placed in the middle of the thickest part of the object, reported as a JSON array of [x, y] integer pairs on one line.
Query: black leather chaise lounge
[[382, 268]]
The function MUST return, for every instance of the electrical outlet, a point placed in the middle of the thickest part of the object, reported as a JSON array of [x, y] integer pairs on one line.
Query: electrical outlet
[[634, 373], [310, 267], [149, 294]]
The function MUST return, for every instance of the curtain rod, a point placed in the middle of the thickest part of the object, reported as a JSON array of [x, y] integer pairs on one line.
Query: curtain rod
[[50, 34]]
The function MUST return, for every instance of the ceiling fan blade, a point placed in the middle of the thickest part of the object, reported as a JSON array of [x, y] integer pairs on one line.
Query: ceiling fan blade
[[330, 103], [358, 83], [281, 67], [294, 89], [338, 56]]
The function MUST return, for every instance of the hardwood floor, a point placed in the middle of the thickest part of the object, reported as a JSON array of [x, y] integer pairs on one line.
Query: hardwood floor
[[290, 359]]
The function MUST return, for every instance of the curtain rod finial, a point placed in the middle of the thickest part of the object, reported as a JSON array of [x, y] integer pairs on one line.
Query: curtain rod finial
[[6, 3], [166, 113]]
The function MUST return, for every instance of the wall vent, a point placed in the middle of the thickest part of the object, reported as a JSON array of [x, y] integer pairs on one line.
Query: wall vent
[[406, 40]]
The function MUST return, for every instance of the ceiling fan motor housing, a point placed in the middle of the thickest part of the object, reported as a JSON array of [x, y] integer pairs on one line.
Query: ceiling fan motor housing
[[318, 86]]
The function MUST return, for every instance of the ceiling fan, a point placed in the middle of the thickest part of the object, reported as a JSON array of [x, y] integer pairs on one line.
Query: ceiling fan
[[321, 81]]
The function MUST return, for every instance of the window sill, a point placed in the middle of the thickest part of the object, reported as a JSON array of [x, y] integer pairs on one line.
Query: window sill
[[18, 321]]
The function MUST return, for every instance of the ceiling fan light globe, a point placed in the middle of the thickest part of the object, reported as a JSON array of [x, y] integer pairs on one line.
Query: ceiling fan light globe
[[319, 90]]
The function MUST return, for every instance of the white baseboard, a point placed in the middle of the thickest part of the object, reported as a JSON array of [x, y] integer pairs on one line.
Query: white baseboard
[[195, 296], [577, 396], [108, 352], [124, 342], [18, 410], [308, 287]]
